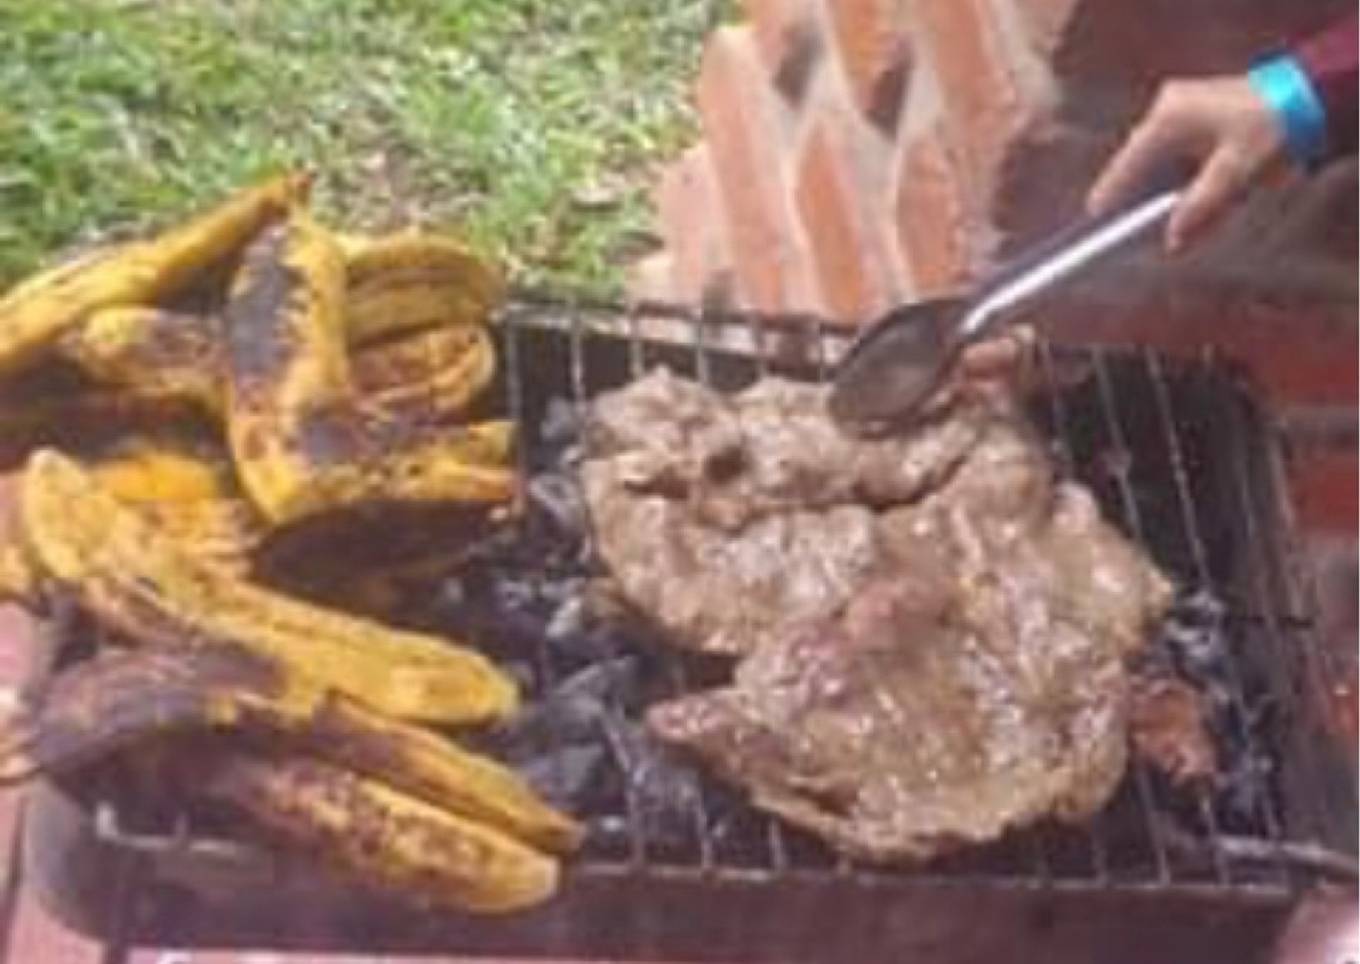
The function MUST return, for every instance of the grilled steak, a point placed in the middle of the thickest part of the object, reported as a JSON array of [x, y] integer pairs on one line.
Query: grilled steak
[[936, 631], [728, 521]]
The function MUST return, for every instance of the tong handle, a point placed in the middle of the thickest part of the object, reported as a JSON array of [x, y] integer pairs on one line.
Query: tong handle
[[1073, 248]]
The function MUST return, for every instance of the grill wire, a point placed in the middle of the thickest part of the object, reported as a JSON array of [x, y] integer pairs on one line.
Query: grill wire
[[1178, 458]]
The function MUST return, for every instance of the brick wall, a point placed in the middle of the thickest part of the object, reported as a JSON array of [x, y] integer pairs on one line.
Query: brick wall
[[855, 153]]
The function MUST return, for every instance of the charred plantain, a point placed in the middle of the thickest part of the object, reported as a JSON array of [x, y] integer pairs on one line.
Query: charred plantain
[[407, 282], [38, 311], [151, 352], [131, 576], [302, 443], [124, 698], [381, 836], [429, 376]]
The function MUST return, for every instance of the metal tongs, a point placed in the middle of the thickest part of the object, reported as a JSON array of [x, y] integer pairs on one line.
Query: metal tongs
[[899, 361]]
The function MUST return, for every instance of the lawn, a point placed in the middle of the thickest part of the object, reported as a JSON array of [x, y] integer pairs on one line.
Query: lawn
[[530, 126]]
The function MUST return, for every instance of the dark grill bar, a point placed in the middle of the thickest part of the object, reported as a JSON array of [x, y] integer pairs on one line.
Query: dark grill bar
[[1179, 458]]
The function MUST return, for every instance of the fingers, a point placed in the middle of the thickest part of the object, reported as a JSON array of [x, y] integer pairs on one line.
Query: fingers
[[1161, 135], [1220, 182]]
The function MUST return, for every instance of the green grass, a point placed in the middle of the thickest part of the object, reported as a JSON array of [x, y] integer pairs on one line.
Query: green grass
[[532, 127]]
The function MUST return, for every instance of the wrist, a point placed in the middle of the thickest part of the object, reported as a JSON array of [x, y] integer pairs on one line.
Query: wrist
[[1283, 85]]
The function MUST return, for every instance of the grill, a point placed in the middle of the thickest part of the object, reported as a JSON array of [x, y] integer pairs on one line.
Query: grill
[[1177, 454]]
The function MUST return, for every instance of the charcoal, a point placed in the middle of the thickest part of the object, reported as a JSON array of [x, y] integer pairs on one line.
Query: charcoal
[[666, 796], [572, 714], [571, 779], [561, 424], [1246, 791], [557, 500], [1194, 633]]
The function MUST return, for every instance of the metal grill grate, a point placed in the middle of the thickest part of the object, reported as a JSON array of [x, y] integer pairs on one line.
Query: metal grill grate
[[1177, 455]]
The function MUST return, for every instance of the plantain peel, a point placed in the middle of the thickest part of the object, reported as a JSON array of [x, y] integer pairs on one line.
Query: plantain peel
[[302, 441], [36, 313], [128, 697], [130, 575], [383, 837]]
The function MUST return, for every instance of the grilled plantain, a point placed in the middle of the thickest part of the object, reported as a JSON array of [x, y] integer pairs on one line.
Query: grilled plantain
[[151, 352], [301, 442], [407, 282], [427, 376], [430, 376], [381, 836], [37, 312], [131, 576], [18, 579], [165, 468], [122, 698]]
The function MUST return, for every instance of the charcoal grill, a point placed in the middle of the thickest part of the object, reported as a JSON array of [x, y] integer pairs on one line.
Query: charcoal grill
[[1179, 456]]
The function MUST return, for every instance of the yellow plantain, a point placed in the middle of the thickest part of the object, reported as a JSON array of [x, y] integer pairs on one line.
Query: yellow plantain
[[409, 281], [150, 352], [383, 837], [430, 376], [123, 698], [159, 469], [131, 576], [18, 580], [302, 442], [38, 311]]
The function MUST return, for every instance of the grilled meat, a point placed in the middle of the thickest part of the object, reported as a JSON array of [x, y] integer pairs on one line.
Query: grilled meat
[[961, 665], [729, 521]]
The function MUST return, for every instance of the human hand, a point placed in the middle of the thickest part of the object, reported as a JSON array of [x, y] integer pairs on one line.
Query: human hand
[[1223, 124]]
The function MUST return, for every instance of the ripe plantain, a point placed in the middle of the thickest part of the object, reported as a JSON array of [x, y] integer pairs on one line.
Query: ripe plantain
[[35, 314], [381, 836], [162, 467], [302, 442], [151, 352], [125, 698], [430, 376], [131, 576], [427, 376], [18, 579], [406, 282]]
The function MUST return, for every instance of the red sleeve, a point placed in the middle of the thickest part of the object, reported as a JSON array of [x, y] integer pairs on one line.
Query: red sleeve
[[1329, 59]]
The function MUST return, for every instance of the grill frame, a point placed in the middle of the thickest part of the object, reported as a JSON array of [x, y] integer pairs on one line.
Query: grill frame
[[631, 907]]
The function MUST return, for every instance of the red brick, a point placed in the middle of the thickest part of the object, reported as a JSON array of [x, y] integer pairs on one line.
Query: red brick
[[1324, 486], [745, 142], [875, 52], [691, 222], [850, 263], [786, 34], [989, 96], [931, 217]]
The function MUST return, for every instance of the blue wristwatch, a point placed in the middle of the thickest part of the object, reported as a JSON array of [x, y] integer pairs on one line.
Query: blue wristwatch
[[1284, 85]]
